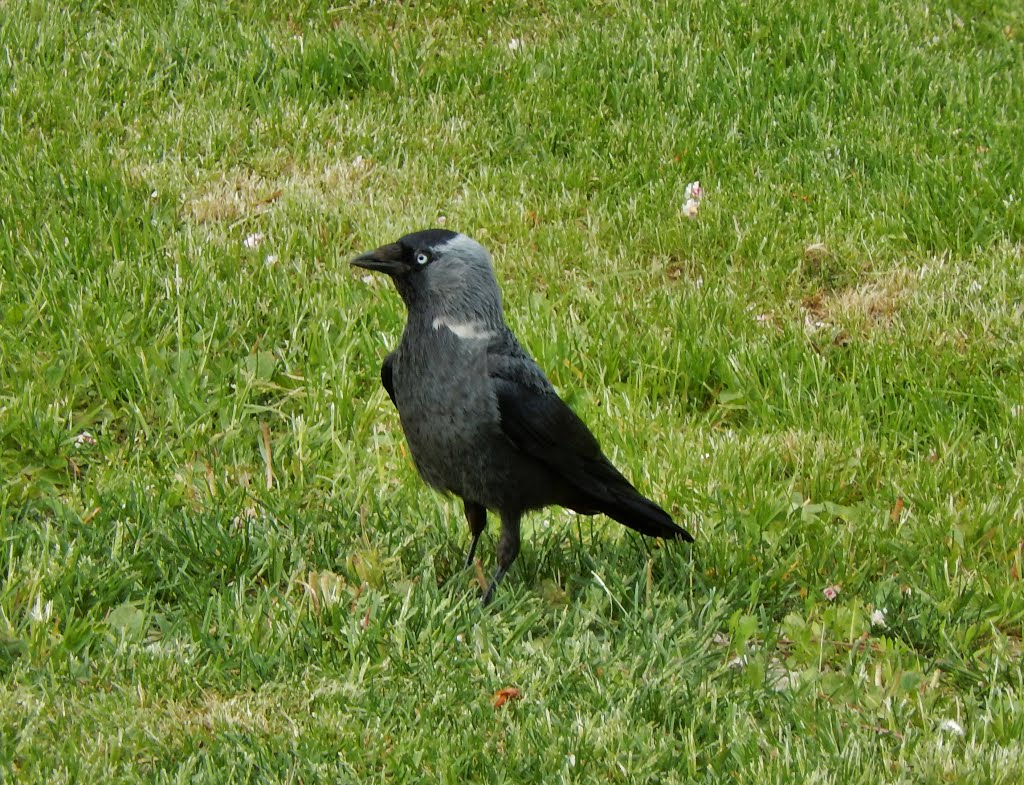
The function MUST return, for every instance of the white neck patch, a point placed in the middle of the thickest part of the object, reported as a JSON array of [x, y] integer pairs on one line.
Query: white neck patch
[[467, 331]]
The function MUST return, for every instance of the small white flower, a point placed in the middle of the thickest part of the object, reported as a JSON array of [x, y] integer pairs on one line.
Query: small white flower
[[442, 220], [270, 260], [570, 759], [693, 195], [878, 617], [514, 45], [831, 592], [253, 240], [39, 612], [459, 638], [154, 194], [952, 726], [83, 439]]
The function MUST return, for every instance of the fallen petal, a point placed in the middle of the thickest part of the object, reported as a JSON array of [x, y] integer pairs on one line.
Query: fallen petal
[[952, 726], [504, 695]]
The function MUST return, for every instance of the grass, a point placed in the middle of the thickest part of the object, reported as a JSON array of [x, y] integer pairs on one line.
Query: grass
[[237, 576]]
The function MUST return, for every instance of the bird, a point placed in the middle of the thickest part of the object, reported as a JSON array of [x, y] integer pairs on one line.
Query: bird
[[481, 419]]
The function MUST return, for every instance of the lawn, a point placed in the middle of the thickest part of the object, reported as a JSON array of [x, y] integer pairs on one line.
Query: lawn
[[217, 563]]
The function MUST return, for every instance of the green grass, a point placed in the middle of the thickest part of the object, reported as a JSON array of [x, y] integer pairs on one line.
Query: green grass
[[848, 414]]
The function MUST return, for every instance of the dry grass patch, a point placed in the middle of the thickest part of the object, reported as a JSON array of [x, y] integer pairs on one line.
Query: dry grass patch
[[865, 306], [243, 194]]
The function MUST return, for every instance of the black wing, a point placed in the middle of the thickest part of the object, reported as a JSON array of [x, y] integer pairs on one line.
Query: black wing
[[540, 424], [385, 377]]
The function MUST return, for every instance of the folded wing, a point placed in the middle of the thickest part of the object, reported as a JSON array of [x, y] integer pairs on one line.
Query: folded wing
[[543, 427]]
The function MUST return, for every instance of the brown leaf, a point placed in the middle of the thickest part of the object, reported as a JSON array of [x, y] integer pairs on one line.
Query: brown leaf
[[504, 695], [897, 510]]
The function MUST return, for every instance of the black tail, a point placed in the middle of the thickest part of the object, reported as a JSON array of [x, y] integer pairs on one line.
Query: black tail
[[613, 495], [646, 517]]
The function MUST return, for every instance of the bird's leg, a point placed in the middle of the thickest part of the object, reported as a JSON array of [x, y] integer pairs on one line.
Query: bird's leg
[[476, 516], [508, 549]]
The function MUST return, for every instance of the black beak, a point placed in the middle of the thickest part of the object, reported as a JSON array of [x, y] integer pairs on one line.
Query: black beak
[[389, 259]]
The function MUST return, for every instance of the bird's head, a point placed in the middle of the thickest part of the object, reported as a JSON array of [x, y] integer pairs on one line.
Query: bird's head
[[441, 270]]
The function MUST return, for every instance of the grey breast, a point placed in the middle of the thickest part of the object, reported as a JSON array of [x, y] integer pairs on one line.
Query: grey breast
[[447, 405]]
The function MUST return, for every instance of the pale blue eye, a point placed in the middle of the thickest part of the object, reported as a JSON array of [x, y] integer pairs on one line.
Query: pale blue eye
[[422, 258]]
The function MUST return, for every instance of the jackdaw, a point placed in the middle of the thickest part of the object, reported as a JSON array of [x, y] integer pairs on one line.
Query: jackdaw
[[481, 419]]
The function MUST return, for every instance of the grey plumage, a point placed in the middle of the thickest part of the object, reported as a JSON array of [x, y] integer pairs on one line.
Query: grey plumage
[[481, 419]]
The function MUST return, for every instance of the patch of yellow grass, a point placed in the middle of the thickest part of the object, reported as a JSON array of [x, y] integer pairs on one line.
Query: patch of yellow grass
[[242, 194], [869, 304]]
